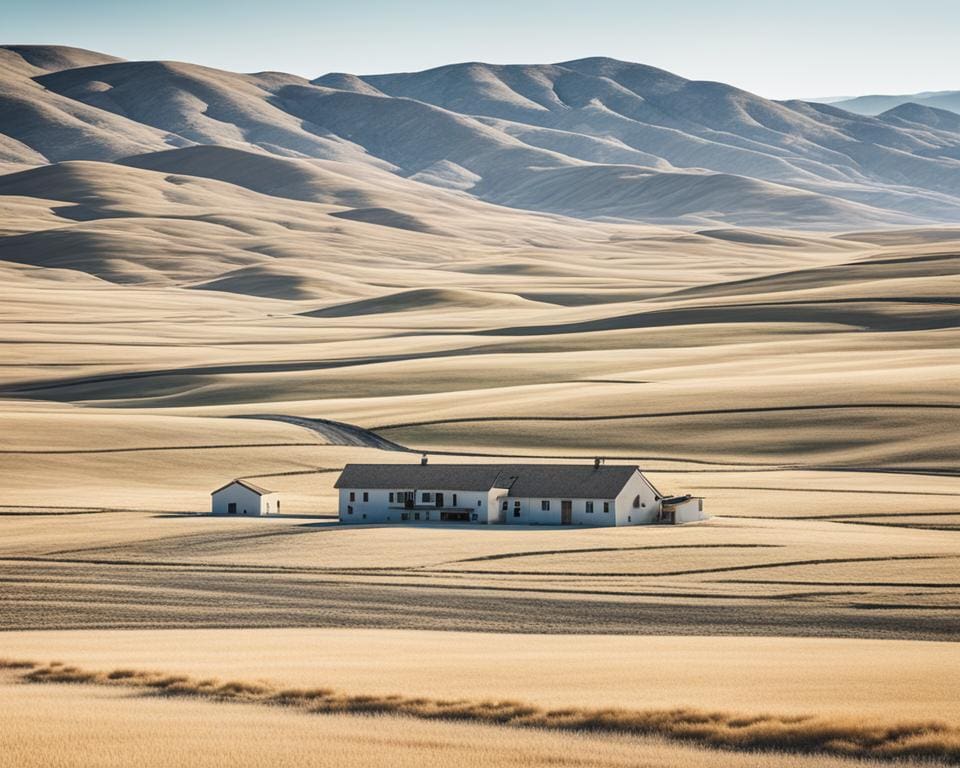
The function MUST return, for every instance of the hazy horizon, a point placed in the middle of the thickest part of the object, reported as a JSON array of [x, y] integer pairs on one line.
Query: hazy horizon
[[819, 51]]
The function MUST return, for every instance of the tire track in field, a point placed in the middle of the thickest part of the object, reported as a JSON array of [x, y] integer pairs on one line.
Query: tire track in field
[[591, 550], [700, 571], [670, 414]]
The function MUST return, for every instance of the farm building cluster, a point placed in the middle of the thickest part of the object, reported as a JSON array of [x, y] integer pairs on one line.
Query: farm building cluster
[[506, 494]]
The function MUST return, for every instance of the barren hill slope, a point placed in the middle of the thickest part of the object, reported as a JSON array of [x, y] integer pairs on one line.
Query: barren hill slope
[[593, 138]]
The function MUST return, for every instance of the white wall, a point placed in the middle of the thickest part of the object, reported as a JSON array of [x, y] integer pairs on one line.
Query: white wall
[[488, 507], [532, 512], [649, 506], [688, 511], [379, 509], [248, 503]]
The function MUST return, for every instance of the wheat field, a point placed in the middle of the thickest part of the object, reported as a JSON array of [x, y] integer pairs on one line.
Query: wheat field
[[124, 729], [194, 331]]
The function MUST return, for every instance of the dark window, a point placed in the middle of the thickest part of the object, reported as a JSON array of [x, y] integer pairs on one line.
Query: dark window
[[516, 513], [454, 500], [349, 510], [589, 507], [479, 502], [353, 496], [364, 517], [391, 497], [606, 507], [636, 501], [278, 506], [425, 498], [629, 519], [545, 505], [232, 508], [474, 516], [416, 515], [405, 516], [504, 505], [366, 496]]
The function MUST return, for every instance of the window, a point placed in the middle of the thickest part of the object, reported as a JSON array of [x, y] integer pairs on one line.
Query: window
[[405, 516], [516, 512], [606, 507], [425, 498], [391, 497], [364, 517], [589, 507], [416, 515], [629, 519], [349, 510], [454, 499], [516, 508], [474, 516], [545, 505], [366, 496], [504, 505], [478, 502], [232, 508], [353, 496], [278, 506], [636, 501]]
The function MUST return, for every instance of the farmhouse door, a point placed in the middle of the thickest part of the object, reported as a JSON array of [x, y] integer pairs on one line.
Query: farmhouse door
[[439, 499], [566, 512]]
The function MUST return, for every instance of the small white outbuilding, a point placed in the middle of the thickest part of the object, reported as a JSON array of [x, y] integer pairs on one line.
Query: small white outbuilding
[[239, 497]]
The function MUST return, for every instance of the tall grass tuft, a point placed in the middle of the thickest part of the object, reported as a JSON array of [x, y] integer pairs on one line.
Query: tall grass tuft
[[810, 734]]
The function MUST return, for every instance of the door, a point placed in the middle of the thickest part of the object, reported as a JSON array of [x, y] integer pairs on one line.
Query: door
[[439, 499], [232, 508], [566, 512]]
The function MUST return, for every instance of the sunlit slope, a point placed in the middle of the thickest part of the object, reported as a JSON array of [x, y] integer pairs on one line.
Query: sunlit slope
[[594, 138]]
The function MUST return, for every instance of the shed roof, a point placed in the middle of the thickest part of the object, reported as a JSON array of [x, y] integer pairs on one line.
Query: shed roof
[[246, 484], [523, 480]]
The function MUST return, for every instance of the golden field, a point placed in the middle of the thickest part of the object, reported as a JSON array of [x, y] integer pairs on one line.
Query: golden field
[[804, 384], [124, 729]]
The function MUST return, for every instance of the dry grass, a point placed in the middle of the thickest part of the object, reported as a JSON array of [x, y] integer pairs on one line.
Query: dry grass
[[797, 733], [115, 727], [880, 679]]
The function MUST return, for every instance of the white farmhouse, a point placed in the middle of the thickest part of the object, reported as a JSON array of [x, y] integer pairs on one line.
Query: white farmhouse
[[240, 497], [511, 494]]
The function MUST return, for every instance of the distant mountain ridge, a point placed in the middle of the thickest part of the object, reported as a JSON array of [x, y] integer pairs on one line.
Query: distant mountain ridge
[[876, 104], [592, 138]]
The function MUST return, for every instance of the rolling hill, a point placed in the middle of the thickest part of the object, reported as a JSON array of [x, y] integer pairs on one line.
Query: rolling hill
[[875, 104], [594, 138]]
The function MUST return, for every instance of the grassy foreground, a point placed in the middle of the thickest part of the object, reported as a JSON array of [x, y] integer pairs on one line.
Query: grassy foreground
[[858, 738]]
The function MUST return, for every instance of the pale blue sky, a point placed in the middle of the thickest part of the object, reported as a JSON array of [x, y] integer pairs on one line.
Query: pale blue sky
[[775, 48]]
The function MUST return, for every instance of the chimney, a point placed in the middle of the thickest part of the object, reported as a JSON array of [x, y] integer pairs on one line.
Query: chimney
[[597, 462], [423, 460]]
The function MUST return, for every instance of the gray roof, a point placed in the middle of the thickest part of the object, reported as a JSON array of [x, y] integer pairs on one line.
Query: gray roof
[[577, 481], [246, 484]]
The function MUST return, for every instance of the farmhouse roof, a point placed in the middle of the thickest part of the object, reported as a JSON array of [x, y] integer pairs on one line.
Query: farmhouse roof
[[578, 481], [246, 484]]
